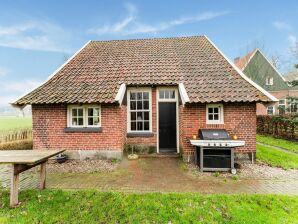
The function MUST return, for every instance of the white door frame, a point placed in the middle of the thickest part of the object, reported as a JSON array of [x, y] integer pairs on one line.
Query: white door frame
[[176, 100]]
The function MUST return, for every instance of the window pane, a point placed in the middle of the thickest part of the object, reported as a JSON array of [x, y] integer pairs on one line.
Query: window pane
[[74, 121], [90, 112], [132, 96], [161, 94], [80, 111], [80, 121], [216, 117], [95, 120], [146, 105], [90, 121], [146, 116], [74, 112], [215, 110], [133, 105], [133, 116], [172, 96], [140, 126], [210, 110], [210, 117], [133, 126], [146, 126], [139, 95], [139, 105], [140, 116], [96, 111], [167, 94], [146, 95]]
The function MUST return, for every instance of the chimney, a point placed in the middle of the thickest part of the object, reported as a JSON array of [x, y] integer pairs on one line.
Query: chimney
[[236, 59]]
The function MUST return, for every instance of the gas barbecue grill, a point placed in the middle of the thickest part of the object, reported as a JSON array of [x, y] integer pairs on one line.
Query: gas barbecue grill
[[215, 150]]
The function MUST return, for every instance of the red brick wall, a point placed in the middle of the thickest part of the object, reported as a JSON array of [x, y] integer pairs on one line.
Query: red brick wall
[[49, 123], [239, 119]]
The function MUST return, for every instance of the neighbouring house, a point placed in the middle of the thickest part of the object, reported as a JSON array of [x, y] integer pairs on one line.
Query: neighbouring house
[[149, 92], [256, 66]]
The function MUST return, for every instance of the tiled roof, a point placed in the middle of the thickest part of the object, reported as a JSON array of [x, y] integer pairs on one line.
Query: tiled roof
[[242, 62], [95, 74]]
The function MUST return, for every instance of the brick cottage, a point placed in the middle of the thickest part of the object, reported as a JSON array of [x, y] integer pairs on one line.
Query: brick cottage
[[149, 92]]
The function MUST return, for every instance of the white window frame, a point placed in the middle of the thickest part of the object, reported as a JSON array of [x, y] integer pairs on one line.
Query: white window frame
[[166, 99], [269, 81], [143, 89], [221, 114], [273, 110], [85, 116]]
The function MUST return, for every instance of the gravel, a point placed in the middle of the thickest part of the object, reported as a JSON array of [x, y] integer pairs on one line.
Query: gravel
[[81, 166]]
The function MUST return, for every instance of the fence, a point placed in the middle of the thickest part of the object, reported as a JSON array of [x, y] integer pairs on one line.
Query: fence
[[283, 126], [15, 135]]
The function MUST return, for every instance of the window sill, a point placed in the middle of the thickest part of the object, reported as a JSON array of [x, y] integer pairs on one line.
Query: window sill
[[83, 130], [140, 134]]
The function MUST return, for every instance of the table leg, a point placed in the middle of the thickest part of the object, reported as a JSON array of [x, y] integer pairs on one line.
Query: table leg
[[14, 188], [43, 175]]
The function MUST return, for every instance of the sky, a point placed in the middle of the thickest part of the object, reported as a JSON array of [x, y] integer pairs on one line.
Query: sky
[[36, 37]]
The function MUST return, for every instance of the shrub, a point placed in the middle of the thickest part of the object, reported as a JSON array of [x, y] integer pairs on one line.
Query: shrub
[[284, 126], [17, 145]]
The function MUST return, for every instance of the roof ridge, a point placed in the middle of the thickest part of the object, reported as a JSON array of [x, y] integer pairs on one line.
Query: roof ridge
[[153, 38]]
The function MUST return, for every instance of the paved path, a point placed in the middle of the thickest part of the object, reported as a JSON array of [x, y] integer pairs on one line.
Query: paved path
[[169, 175], [278, 148], [160, 175]]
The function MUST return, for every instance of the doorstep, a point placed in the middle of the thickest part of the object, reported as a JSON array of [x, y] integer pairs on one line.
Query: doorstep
[[160, 155]]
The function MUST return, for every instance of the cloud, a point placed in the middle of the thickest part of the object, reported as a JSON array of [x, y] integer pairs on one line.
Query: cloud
[[131, 25], [11, 91], [3, 71], [35, 35], [293, 40], [280, 25]]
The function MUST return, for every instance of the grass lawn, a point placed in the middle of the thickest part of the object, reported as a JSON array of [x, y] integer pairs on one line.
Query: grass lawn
[[12, 123], [57, 206], [282, 143], [276, 158]]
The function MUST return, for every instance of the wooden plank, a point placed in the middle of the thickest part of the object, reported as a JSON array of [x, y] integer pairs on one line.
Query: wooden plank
[[28, 157], [42, 176], [14, 188]]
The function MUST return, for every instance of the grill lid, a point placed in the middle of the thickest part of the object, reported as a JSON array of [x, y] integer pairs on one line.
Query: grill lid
[[214, 134]]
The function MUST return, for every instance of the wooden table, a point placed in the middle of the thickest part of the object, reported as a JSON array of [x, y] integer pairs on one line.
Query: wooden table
[[22, 160]]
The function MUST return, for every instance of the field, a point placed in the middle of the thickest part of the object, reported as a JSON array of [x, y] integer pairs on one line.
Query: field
[[58, 206], [14, 123]]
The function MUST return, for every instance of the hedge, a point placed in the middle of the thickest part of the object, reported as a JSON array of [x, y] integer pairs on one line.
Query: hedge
[[283, 126]]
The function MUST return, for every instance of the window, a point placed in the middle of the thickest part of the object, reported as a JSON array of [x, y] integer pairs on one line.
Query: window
[[167, 94], [84, 116], [294, 106], [214, 114], [282, 106], [269, 81], [139, 110], [270, 110]]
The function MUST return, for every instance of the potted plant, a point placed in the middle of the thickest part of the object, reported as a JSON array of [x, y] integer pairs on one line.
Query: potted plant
[[61, 158]]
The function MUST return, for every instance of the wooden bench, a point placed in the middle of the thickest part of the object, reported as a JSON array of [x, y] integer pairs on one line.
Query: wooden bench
[[23, 160]]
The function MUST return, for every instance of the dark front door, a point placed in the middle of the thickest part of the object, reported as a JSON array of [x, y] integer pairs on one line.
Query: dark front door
[[167, 127]]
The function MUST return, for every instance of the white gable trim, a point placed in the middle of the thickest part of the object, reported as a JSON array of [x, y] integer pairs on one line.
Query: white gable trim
[[121, 92], [252, 55], [54, 73], [183, 94], [243, 75]]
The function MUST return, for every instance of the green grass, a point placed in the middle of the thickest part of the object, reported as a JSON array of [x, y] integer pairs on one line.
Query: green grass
[[282, 143], [57, 206], [276, 158], [12, 123]]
